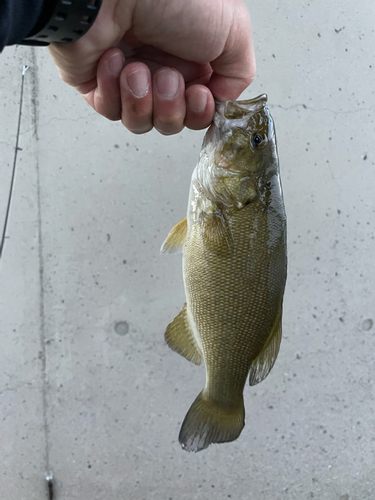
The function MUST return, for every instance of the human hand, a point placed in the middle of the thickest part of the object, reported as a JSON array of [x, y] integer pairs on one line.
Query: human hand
[[160, 63]]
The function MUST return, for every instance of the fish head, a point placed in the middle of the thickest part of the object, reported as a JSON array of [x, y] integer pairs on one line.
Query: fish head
[[243, 136]]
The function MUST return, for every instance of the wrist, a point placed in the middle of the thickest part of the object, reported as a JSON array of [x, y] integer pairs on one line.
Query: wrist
[[113, 21], [63, 21]]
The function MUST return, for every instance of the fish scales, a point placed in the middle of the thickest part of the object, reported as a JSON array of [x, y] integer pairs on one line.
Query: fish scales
[[226, 350], [234, 268]]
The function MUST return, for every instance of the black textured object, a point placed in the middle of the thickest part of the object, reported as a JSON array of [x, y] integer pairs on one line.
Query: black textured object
[[67, 22]]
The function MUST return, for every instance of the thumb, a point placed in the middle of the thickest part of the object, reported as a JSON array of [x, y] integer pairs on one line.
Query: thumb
[[234, 70], [77, 64]]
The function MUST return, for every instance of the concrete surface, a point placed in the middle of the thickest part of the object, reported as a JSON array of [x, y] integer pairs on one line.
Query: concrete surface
[[101, 410]]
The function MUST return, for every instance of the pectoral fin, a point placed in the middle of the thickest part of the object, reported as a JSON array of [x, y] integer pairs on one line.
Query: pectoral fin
[[217, 234], [176, 238], [180, 338], [263, 363]]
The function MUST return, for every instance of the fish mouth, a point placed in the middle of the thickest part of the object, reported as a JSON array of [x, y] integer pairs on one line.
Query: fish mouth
[[238, 109]]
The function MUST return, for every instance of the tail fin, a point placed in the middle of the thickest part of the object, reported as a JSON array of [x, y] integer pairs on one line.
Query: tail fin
[[209, 422]]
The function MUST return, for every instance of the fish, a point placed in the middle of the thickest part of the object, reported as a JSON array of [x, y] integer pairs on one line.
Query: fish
[[234, 253]]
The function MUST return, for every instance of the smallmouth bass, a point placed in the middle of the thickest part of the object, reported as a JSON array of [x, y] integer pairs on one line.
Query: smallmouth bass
[[233, 241]]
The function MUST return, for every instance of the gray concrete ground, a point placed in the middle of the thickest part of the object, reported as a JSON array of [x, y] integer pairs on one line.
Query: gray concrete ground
[[101, 408]]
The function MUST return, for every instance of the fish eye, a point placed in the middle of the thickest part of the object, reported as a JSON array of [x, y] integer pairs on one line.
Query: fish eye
[[257, 139]]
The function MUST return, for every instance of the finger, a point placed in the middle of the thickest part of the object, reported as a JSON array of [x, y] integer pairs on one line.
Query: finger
[[155, 59], [106, 97], [200, 107], [234, 70], [136, 98], [169, 101], [77, 62]]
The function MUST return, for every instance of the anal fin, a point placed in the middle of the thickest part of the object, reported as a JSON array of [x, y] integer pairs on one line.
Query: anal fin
[[263, 363], [180, 338]]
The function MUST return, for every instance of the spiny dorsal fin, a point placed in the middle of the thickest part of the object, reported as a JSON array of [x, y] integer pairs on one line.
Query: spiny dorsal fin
[[217, 234], [180, 338], [263, 363], [176, 237]]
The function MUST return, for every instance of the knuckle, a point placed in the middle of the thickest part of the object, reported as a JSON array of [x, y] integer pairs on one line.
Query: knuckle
[[169, 125], [137, 117], [193, 125], [113, 116], [138, 128], [141, 131], [138, 111], [170, 132], [248, 76], [249, 79]]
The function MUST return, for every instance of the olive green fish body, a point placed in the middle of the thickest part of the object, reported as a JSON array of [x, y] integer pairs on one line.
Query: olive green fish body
[[234, 268], [231, 295]]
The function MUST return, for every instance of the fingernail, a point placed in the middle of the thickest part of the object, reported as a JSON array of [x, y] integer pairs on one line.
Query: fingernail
[[197, 101], [115, 64], [167, 82], [138, 82]]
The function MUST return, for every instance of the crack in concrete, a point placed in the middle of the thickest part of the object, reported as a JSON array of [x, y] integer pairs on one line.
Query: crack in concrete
[[43, 357], [17, 387], [65, 119], [41, 125], [321, 110]]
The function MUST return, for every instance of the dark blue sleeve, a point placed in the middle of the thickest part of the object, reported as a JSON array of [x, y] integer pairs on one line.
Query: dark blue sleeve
[[18, 18]]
